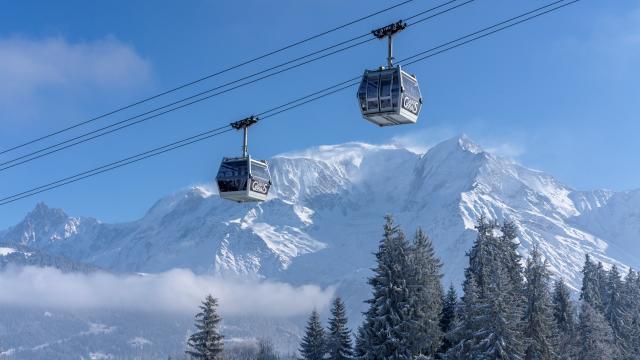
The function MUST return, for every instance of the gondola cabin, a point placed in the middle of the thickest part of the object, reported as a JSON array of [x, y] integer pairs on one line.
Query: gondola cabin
[[389, 96], [243, 179]]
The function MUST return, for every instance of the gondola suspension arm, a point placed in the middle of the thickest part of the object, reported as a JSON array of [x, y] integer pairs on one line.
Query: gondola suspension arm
[[244, 124], [388, 32]]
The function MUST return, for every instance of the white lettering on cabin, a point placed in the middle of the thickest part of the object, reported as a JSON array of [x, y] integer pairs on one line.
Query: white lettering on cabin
[[410, 104]]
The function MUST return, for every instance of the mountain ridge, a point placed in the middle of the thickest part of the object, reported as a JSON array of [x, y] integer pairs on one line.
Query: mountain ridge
[[323, 218]]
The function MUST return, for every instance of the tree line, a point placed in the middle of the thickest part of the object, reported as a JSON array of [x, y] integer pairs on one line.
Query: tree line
[[507, 310]]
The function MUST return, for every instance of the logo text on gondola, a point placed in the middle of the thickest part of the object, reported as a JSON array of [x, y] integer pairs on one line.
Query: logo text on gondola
[[259, 186], [411, 104]]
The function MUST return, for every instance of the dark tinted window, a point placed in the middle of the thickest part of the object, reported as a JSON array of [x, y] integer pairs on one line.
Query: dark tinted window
[[362, 93], [410, 86], [231, 185], [233, 169], [259, 171], [395, 89]]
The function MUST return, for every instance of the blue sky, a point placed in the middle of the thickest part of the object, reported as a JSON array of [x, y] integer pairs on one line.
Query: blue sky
[[558, 94]]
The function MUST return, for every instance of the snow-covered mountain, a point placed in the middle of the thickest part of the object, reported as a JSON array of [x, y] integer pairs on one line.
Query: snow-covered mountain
[[324, 217]]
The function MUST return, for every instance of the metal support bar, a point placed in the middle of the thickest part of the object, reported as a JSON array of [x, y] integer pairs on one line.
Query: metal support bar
[[388, 32], [245, 142], [390, 52], [244, 125]]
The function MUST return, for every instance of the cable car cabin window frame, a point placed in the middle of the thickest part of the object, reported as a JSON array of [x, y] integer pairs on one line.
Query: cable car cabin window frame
[[373, 92], [262, 168], [398, 99], [233, 175], [251, 183], [232, 172], [385, 87]]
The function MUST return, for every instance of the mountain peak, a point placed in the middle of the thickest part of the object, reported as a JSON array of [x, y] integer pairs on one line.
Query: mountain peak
[[41, 210], [460, 142]]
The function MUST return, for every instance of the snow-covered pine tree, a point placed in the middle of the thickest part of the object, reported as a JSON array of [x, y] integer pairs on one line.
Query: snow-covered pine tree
[[539, 322], [616, 313], [206, 343], [513, 263], [360, 347], [266, 351], [313, 346], [467, 323], [339, 344], [425, 297], [449, 317], [500, 334], [595, 337], [603, 286], [512, 259], [490, 325], [590, 292], [483, 255], [564, 315], [385, 330], [631, 301]]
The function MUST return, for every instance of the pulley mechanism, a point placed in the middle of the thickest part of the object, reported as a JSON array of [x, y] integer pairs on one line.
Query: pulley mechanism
[[388, 32]]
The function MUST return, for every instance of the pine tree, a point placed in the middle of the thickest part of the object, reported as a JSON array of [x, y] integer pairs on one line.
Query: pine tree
[[361, 346], [603, 289], [512, 258], [449, 317], [386, 331], [500, 335], [590, 292], [339, 345], [539, 327], [564, 315], [631, 301], [206, 343], [615, 312], [313, 346], [425, 298], [595, 335], [490, 325], [469, 322], [266, 351]]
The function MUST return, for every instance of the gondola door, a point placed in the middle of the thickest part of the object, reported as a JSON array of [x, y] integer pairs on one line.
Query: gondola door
[[373, 103], [386, 104]]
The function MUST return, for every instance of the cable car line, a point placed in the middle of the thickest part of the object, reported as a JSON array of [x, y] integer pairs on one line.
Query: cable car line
[[104, 169], [108, 129], [127, 160], [111, 128], [491, 27], [193, 82], [147, 154], [209, 134]]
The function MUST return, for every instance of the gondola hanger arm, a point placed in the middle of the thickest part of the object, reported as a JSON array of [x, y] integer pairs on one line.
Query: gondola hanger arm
[[245, 123]]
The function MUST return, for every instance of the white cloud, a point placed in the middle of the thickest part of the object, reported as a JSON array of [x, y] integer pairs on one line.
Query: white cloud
[[420, 141], [49, 67], [175, 291], [506, 150]]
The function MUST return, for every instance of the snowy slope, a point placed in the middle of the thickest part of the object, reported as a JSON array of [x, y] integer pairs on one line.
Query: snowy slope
[[324, 218], [321, 225]]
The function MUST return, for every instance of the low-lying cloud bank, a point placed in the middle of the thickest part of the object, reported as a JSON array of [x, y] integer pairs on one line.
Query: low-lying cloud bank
[[175, 291]]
